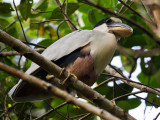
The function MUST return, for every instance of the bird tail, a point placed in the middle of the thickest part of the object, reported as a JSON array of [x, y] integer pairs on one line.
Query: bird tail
[[26, 92]]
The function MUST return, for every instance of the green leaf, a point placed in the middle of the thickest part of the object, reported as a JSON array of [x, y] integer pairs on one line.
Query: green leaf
[[25, 8], [109, 3], [150, 97], [46, 42], [120, 92], [152, 80], [13, 31], [5, 9], [127, 63], [41, 5], [156, 100], [36, 112], [92, 17], [4, 23], [134, 40], [129, 104], [71, 8]]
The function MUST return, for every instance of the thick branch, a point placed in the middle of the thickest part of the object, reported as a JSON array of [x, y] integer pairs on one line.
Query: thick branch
[[132, 83], [62, 74], [138, 53], [57, 92]]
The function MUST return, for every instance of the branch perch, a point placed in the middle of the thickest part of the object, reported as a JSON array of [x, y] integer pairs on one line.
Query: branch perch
[[57, 92]]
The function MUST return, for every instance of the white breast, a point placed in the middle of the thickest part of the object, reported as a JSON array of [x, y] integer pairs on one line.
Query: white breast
[[103, 46]]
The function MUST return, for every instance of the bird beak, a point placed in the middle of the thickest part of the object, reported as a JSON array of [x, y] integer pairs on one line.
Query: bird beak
[[120, 29]]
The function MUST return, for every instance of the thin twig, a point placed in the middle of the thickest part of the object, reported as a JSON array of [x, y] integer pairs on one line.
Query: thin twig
[[157, 116], [123, 6], [136, 12], [30, 112], [33, 44], [3, 49], [67, 111], [20, 21], [8, 109], [19, 60], [114, 89], [66, 7], [10, 25], [50, 111], [12, 53], [48, 21], [58, 29], [104, 82], [133, 67], [43, 11], [139, 97], [1, 27], [70, 24], [137, 85], [77, 116], [63, 3], [85, 116], [127, 8], [125, 95], [56, 111], [115, 71]]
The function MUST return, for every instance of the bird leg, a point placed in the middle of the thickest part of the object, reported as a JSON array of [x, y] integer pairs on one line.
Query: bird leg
[[63, 72]]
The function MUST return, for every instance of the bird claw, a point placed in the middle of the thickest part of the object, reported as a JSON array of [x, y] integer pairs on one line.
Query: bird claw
[[62, 73], [49, 77], [113, 101], [74, 76], [68, 75]]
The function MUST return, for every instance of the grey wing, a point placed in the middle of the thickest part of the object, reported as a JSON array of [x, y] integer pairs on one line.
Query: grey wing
[[64, 46]]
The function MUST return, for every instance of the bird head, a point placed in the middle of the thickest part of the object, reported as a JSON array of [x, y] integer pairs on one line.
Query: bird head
[[114, 25]]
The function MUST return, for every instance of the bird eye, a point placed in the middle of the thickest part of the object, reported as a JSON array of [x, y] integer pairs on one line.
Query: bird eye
[[109, 21]]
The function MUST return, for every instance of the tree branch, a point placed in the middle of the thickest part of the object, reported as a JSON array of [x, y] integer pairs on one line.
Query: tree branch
[[120, 10], [50, 111], [125, 95], [12, 53], [57, 92], [138, 53], [132, 83], [20, 21], [69, 22], [136, 12], [48, 21]]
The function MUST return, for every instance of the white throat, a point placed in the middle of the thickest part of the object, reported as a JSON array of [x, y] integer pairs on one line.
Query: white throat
[[102, 28]]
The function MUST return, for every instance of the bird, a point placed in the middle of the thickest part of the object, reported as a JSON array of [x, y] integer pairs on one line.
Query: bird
[[84, 53]]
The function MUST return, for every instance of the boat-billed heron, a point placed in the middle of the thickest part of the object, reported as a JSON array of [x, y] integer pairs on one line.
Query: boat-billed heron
[[85, 53]]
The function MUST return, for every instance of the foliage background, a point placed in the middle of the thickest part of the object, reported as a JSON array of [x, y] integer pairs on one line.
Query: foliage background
[[83, 16]]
